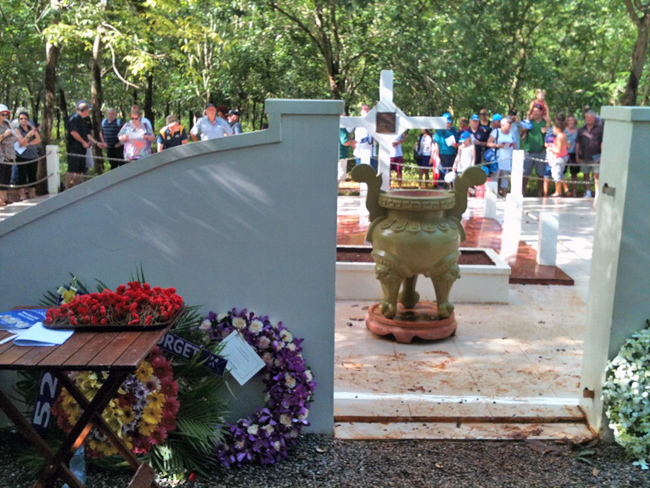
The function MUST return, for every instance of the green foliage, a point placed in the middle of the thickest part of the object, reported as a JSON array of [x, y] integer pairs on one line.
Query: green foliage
[[458, 56], [199, 420], [626, 395]]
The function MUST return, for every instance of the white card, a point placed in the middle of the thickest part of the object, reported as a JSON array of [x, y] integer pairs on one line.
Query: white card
[[243, 360], [37, 335], [451, 140]]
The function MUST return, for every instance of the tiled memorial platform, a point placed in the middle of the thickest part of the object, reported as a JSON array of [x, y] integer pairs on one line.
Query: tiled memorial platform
[[480, 232], [510, 372]]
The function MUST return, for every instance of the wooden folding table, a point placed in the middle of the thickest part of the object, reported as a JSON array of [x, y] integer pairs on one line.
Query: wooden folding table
[[118, 354]]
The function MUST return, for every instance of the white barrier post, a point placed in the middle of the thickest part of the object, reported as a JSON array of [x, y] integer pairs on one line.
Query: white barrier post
[[517, 176], [363, 193], [547, 243], [511, 230], [491, 189], [52, 169]]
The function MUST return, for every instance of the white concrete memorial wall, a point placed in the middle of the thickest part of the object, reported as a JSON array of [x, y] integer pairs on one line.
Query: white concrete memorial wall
[[620, 265], [247, 221]]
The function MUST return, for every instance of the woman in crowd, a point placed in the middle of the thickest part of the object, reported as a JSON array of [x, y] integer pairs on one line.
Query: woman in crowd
[[571, 133], [503, 141], [7, 152], [423, 150], [137, 137], [27, 152], [557, 156]]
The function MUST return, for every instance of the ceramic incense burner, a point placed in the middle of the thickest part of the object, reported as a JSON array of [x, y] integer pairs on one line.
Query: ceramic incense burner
[[416, 232]]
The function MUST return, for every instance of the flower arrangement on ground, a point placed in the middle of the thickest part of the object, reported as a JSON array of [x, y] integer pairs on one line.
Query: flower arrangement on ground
[[142, 414], [626, 395], [266, 436], [169, 413], [135, 303]]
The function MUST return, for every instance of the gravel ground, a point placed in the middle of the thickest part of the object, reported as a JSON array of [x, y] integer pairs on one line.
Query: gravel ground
[[321, 461]]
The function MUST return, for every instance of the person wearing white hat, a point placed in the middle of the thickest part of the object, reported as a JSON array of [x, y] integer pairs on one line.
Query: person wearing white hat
[[7, 152]]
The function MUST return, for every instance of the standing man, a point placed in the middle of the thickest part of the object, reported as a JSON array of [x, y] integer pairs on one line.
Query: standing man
[[588, 148], [108, 131], [363, 149], [233, 120], [515, 127], [479, 137], [445, 143], [172, 135], [79, 140], [535, 150], [397, 157], [345, 143], [210, 126]]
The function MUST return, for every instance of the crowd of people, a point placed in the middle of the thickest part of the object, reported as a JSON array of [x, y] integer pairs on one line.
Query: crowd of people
[[554, 148], [19, 143], [122, 141], [132, 140]]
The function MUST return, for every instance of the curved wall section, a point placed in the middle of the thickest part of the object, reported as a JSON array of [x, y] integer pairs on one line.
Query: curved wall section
[[245, 221]]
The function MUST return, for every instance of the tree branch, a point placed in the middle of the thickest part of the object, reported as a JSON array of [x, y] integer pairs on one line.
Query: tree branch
[[117, 73], [296, 21], [631, 12]]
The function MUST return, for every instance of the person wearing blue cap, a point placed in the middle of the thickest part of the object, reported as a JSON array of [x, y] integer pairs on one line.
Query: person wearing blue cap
[[445, 142], [496, 121], [479, 137]]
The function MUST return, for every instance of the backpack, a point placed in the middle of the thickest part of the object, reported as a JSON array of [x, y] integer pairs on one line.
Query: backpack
[[490, 155]]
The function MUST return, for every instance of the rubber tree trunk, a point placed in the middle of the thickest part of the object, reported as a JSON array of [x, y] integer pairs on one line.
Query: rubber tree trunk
[[97, 97], [148, 99], [638, 60], [63, 105], [52, 52]]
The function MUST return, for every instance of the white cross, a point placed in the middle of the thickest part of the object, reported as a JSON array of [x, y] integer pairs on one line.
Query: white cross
[[402, 123]]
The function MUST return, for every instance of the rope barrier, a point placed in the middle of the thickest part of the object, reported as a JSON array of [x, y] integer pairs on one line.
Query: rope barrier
[[96, 157], [16, 163], [38, 182]]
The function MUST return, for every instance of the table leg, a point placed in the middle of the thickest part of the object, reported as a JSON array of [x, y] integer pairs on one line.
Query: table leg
[[99, 422], [26, 429], [81, 429]]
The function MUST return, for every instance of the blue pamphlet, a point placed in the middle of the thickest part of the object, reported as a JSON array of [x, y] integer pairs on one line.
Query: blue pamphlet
[[21, 319]]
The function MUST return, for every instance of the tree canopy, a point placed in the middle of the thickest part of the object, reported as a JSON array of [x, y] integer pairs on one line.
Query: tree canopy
[[175, 56]]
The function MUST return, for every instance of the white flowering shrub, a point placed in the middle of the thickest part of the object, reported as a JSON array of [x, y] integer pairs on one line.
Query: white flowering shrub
[[626, 397]]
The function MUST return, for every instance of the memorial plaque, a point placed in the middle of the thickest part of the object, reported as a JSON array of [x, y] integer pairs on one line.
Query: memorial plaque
[[386, 123]]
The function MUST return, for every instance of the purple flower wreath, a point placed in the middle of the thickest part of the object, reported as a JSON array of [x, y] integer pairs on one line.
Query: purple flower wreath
[[266, 436]]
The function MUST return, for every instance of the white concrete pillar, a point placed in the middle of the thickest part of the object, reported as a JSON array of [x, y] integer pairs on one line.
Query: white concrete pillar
[[517, 176], [383, 166], [386, 86], [363, 193], [511, 229], [547, 238], [491, 189], [620, 264], [53, 169]]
